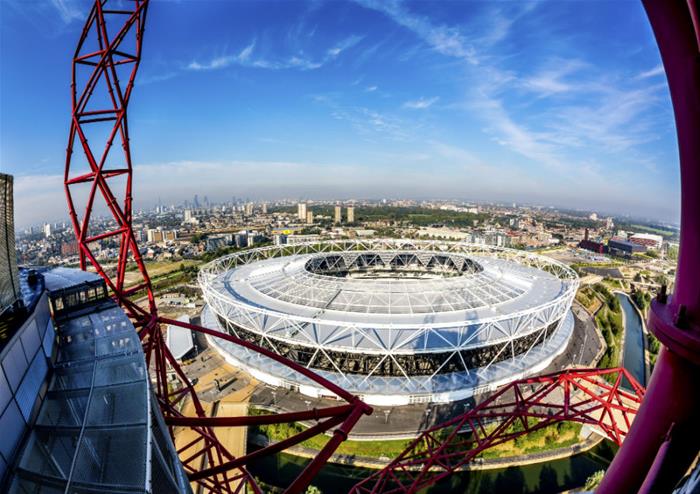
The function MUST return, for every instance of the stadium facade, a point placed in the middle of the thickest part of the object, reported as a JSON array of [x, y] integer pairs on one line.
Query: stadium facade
[[393, 321]]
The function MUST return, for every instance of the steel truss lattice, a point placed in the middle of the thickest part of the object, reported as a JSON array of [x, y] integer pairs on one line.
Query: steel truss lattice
[[503, 317], [104, 69], [524, 406]]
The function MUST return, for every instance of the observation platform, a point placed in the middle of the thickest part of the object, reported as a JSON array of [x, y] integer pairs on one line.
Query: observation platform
[[91, 420]]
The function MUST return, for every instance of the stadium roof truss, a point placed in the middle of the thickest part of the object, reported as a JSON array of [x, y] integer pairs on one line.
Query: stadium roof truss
[[277, 296]]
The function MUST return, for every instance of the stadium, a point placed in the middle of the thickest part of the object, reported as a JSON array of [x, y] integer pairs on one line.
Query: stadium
[[392, 321]]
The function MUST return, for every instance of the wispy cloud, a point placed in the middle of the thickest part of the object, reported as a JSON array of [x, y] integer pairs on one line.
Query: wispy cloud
[[556, 78], [371, 89], [658, 70], [371, 123], [612, 121], [345, 44], [514, 136], [69, 10], [616, 121], [247, 58], [444, 39], [223, 61], [151, 78], [421, 103], [50, 18]]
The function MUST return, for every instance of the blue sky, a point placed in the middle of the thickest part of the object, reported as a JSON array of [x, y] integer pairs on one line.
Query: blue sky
[[561, 103]]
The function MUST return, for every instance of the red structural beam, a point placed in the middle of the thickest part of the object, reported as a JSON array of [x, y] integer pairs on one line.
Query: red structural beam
[[522, 407], [103, 74], [251, 420]]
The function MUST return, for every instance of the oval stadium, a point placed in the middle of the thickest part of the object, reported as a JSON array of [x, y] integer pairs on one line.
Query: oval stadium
[[393, 321]]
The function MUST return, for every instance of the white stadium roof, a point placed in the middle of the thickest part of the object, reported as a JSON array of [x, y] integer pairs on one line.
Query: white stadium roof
[[394, 317]]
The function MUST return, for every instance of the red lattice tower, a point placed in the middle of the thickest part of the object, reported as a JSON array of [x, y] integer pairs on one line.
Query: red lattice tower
[[664, 438], [104, 68], [522, 407]]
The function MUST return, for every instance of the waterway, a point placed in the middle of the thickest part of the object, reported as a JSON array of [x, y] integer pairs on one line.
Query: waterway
[[633, 352], [542, 478]]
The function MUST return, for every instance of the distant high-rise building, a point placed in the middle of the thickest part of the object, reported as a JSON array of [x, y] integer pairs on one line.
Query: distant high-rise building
[[249, 209], [338, 214], [195, 202], [264, 208], [310, 217], [609, 224], [301, 211], [188, 216], [351, 214], [9, 275], [47, 230]]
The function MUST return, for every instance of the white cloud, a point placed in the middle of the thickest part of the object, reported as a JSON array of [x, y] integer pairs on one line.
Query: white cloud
[[68, 10], [298, 61], [514, 136], [371, 89], [553, 79], [615, 121], [658, 70], [39, 198], [345, 44], [443, 39], [421, 103], [224, 61]]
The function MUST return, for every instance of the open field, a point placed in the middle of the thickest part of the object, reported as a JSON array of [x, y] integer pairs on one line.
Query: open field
[[158, 269]]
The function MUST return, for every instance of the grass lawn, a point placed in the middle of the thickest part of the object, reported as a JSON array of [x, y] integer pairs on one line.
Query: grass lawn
[[372, 449]]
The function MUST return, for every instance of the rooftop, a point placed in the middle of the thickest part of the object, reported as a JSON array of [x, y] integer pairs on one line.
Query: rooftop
[[390, 294]]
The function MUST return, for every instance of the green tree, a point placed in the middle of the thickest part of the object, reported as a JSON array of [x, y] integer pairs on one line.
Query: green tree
[[594, 480]]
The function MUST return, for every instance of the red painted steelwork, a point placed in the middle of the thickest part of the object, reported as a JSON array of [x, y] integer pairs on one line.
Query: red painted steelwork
[[668, 419], [524, 406], [111, 43], [108, 53]]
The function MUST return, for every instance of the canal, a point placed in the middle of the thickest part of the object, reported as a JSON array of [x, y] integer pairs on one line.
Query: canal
[[633, 352], [543, 478]]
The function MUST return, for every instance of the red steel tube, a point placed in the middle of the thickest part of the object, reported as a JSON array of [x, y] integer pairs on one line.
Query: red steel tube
[[339, 435], [247, 420], [349, 397], [271, 449]]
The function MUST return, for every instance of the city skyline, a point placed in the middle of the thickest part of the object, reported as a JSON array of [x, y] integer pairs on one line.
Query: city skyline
[[363, 100]]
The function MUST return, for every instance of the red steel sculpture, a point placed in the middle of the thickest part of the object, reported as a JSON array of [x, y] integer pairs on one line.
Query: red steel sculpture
[[522, 407], [104, 68], [660, 444]]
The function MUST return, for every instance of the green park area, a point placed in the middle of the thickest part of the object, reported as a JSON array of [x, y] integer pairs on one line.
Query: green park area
[[370, 449], [558, 435]]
